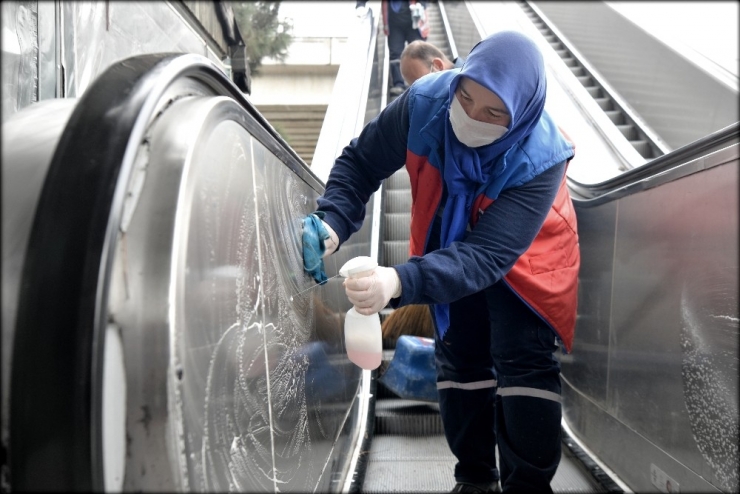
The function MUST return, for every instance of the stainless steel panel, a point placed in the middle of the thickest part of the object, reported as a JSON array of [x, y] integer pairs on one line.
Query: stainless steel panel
[[97, 34], [586, 367], [675, 315], [259, 393], [624, 450], [667, 294], [47, 58], [19, 56]]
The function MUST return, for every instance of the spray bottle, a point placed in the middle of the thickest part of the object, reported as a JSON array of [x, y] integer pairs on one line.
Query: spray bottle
[[362, 334]]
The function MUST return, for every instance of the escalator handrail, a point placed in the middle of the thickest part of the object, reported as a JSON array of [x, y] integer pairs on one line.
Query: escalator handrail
[[659, 166], [448, 30]]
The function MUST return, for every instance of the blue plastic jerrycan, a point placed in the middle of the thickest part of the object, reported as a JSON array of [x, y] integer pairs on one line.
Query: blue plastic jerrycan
[[412, 374]]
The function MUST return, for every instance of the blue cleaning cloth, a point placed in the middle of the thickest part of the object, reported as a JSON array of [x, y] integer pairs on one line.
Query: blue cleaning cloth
[[314, 235]]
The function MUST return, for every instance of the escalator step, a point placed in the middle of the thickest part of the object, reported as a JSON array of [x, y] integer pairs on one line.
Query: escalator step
[[629, 131], [397, 201], [643, 147], [605, 103], [586, 80], [616, 116], [395, 252], [595, 91], [414, 418], [399, 180], [578, 71], [396, 226]]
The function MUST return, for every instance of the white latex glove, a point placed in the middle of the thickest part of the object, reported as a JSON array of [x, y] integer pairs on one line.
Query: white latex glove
[[361, 11], [370, 294], [331, 243]]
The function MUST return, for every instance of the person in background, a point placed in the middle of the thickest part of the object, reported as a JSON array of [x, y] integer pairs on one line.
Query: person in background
[[403, 21], [420, 58], [494, 252]]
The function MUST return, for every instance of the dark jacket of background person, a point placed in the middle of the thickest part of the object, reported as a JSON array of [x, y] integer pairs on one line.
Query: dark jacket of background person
[[398, 27]]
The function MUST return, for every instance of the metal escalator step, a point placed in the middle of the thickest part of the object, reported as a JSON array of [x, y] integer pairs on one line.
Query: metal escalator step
[[396, 226], [395, 252], [595, 91], [605, 103], [399, 180], [412, 418], [397, 201], [578, 71], [629, 131], [569, 61], [616, 116], [409, 464], [643, 147], [383, 393], [586, 80]]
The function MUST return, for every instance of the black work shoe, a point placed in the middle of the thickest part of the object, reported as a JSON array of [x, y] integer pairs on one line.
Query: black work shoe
[[467, 487], [397, 90]]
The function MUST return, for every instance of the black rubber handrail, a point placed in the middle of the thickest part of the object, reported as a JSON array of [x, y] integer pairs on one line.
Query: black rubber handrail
[[715, 141]]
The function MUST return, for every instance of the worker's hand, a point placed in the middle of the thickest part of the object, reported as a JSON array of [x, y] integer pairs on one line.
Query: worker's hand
[[361, 11], [331, 242], [319, 240], [370, 294]]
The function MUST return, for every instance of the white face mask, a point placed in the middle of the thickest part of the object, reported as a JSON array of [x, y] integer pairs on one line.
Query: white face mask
[[471, 132]]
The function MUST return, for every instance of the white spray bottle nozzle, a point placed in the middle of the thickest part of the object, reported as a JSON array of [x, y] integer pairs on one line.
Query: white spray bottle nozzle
[[357, 266]]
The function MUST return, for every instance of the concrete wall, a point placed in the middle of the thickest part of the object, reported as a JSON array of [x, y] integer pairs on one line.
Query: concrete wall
[[305, 78]]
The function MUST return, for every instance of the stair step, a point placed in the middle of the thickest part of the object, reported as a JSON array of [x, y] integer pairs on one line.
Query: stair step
[[399, 180], [396, 226], [395, 252], [407, 417], [397, 201]]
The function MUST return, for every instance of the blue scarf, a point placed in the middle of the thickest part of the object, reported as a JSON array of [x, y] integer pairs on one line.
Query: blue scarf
[[509, 64]]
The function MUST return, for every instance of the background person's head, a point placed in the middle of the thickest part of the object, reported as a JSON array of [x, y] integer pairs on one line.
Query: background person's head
[[420, 58]]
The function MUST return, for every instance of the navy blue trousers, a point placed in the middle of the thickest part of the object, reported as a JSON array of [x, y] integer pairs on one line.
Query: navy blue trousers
[[400, 31], [499, 385]]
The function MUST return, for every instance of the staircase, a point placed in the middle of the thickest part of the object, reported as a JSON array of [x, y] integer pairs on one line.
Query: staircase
[[299, 125]]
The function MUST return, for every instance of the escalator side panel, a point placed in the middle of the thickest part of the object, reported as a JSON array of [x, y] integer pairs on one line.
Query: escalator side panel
[[260, 394], [654, 365], [174, 242]]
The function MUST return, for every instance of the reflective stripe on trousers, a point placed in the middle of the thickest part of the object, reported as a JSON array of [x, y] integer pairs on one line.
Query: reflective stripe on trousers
[[491, 383]]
